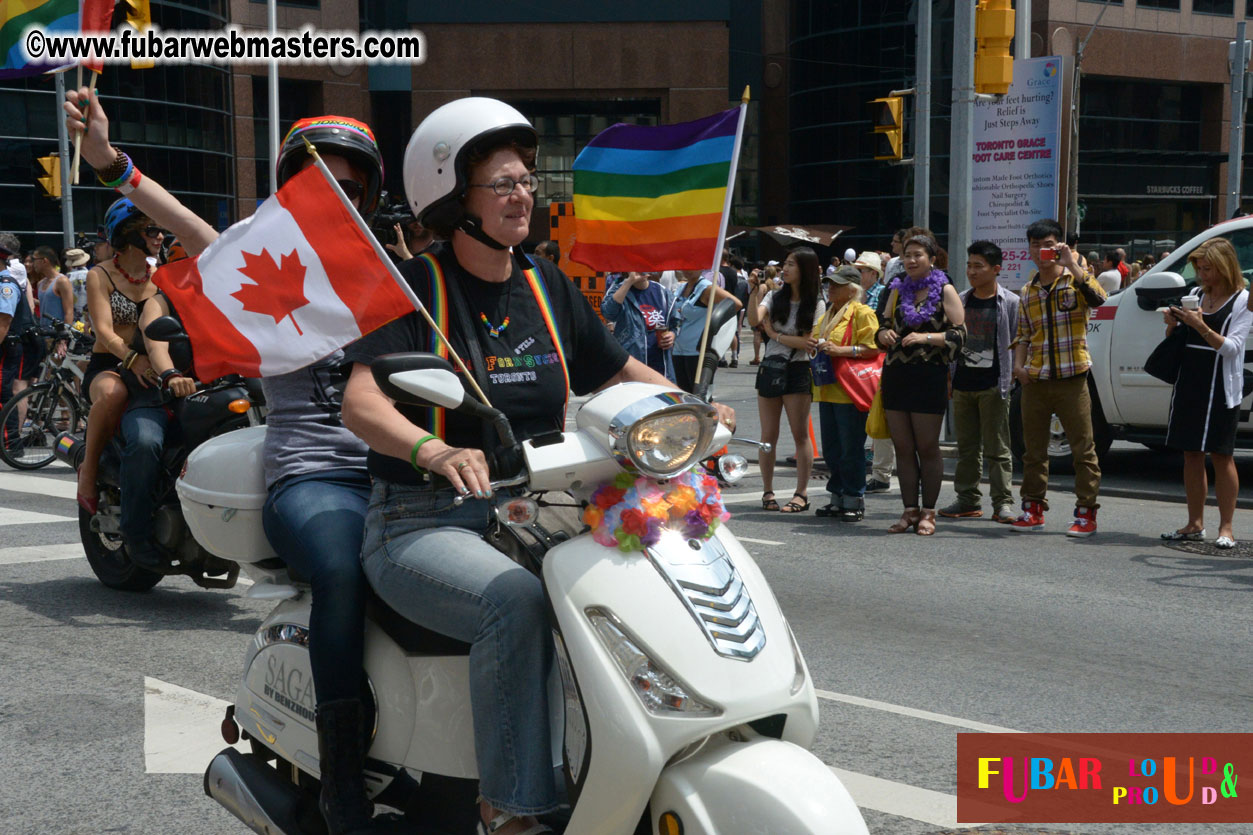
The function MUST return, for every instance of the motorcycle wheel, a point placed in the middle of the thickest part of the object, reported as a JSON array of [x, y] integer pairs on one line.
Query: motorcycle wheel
[[110, 562]]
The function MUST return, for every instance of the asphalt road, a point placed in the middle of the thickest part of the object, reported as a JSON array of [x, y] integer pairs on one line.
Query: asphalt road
[[910, 642]]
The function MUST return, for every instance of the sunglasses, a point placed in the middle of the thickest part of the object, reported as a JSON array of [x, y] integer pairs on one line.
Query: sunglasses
[[153, 231], [353, 190]]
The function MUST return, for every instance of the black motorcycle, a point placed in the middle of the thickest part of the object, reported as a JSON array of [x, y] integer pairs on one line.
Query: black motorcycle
[[224, 405]]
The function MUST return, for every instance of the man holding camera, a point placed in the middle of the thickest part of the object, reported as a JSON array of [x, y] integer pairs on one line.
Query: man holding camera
[[1051, 362]]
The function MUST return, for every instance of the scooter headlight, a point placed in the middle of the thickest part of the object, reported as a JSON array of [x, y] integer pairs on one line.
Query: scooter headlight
[[663, 442], [660, 693]]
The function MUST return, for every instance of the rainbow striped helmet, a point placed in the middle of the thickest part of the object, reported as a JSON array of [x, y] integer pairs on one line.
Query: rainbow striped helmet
[[339, 135]]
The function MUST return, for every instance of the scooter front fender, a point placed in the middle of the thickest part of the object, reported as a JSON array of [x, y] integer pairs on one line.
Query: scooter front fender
[[764, 786]]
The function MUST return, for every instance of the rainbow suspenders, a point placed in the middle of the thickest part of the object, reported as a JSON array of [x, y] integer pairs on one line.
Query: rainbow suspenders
[[437, 306]]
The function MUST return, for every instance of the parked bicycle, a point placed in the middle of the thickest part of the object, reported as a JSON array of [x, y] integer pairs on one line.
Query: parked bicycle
[[54, 404]]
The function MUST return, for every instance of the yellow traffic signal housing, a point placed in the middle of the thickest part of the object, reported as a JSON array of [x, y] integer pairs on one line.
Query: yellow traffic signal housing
[[994, 31], [886, 116], [139, 15], [51, 183]]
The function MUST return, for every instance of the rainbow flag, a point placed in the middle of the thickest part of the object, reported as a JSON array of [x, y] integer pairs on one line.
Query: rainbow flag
[[651, 198], [16, 16]]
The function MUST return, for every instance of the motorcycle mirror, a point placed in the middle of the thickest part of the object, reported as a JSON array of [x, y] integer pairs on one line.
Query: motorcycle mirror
[[429, 387], [165, 329]]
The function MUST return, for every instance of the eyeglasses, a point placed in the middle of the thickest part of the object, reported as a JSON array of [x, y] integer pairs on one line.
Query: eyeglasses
[[353, 190], [504, 186], [153, 231]]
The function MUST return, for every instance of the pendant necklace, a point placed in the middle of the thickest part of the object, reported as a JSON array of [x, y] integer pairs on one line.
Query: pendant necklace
[[128, 276], [495, 331]]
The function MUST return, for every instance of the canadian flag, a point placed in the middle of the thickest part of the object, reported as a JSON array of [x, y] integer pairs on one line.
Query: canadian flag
[[285, 287]]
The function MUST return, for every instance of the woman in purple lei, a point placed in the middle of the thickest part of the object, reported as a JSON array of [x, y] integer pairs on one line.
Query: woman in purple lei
[[921, 330]]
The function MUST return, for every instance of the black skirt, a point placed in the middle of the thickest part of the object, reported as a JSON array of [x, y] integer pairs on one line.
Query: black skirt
[[915, 387]]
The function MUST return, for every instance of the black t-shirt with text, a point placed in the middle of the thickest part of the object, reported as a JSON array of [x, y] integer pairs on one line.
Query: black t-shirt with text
[[523, 376], [979, 363]]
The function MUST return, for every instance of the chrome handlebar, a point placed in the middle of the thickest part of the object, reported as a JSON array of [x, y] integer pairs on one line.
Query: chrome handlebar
[[517, 480]]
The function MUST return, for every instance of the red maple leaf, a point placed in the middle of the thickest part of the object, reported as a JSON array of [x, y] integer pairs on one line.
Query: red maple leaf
[[279, 291]]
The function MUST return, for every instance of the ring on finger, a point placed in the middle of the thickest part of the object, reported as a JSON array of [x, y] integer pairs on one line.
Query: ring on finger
[[461, 465]]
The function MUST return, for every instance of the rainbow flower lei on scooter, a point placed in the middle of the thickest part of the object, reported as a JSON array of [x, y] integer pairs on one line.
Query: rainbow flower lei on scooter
[[631, 511]]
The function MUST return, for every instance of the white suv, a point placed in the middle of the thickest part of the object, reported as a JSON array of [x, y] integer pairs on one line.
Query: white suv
[[1127, 403]]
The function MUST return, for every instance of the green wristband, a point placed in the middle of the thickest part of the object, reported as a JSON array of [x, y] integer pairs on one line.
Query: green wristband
[[413, 453]]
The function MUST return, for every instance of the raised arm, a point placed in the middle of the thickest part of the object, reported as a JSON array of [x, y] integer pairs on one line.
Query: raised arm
[[149, 196]]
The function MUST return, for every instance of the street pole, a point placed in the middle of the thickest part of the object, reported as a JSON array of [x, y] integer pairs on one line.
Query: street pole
[[960, 182], [272, 13], [922, 120], [1022, 29], [63, 150], [1238, 61], [1072, 222]]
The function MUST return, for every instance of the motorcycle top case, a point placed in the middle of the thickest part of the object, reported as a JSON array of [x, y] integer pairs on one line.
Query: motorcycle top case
[[222, 491]]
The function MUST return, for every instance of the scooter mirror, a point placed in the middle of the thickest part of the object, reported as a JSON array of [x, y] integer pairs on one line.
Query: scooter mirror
[[429, 387]]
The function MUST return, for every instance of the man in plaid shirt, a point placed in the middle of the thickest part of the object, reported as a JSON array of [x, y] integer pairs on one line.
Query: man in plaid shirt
[[1051, 362]]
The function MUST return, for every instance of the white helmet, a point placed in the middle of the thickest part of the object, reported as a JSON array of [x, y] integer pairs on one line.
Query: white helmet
[[435, 162]]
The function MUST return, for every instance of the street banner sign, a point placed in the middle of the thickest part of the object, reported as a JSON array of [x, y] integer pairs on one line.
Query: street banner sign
[[1016, 161]]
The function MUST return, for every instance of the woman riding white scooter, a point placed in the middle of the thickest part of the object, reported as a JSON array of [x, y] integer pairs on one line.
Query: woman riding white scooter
[[469, 176], [315, 471]]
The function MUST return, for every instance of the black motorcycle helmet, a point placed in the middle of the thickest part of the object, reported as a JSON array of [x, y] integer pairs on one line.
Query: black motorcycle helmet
[[339, 135]]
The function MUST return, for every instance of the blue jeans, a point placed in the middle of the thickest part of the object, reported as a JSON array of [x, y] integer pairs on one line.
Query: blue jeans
[[843, 445], [315, 522], [143, 437], [426, 558]]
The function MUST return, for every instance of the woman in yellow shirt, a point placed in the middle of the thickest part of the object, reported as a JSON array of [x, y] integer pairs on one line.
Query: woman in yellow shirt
[[843, 424]]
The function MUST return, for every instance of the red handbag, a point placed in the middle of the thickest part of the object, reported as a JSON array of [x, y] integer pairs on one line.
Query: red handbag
[[858, 376]]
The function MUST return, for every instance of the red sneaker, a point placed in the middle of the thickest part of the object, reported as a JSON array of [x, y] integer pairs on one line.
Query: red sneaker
[[1032, 518], [1085, 522]]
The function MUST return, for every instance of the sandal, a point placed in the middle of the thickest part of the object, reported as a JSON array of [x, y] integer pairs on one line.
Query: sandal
[[1184, 536], [794, 506], [504, 820], [1224, 543], [925, 526], [908, 520], [770, 503]]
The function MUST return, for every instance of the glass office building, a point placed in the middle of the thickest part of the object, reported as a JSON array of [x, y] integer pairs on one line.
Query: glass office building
[[174, 121]]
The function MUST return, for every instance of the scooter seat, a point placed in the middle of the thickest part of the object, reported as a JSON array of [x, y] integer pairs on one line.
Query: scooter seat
[[412, 638]]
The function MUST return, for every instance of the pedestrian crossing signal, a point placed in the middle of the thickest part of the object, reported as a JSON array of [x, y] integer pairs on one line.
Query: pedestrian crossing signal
[[51, 181], [886, 116]]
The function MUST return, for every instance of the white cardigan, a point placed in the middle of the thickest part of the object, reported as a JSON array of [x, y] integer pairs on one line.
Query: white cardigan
[[1232, 349]]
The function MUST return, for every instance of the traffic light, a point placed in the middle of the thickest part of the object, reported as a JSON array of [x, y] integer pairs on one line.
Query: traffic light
[[994, 31], [139, 15], [885, 115], [51, 182]]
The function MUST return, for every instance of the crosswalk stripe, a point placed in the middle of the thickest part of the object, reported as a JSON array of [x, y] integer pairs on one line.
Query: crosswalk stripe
[[902, 799], [40, 553], [181, 728], [13, 516], [58, 488], [914, 713]]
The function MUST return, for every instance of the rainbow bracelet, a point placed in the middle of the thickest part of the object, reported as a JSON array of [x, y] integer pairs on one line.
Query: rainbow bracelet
[[126, 174], [132, 181]]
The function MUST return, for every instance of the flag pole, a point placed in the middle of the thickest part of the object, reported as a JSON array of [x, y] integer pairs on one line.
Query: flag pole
[[722, 233], [395, 274]]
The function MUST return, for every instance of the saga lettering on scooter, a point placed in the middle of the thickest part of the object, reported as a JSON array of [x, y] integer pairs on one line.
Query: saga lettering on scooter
[[700, 697], [293, 688]]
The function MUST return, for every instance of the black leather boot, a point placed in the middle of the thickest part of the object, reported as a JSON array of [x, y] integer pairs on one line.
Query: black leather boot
[[341, 757]]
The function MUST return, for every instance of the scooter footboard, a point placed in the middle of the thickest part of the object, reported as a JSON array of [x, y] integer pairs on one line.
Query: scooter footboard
[[761, 786]]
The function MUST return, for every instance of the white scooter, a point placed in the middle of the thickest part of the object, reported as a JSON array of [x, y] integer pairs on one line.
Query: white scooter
[[680, 699]]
